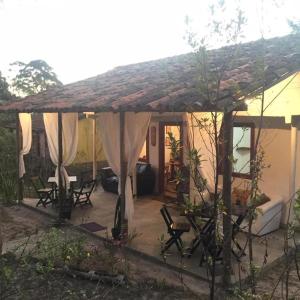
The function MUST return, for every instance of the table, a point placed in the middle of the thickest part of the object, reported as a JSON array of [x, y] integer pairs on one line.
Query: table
[[55, 179], [207, 214]]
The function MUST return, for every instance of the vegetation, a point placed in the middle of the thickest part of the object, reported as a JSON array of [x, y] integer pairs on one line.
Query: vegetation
[[30, 78], [33, 77], [174, 146], [5, 94], [65, 265]]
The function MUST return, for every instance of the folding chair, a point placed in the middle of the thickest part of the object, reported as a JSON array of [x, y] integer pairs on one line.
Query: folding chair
[[235, 230], [209, 246], [83, 194], [45, 194], [175, 230]]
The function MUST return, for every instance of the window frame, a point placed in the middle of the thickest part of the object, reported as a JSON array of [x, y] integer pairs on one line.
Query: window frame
[[251, 125]]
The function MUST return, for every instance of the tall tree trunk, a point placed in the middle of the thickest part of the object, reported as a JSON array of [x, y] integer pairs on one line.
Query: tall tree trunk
[[227, 174]]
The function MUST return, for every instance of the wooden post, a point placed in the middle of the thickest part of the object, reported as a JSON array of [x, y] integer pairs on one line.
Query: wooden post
[[227, 179], [18, 149], [293, 170], [61, 192], [123, 171], [94, 148]]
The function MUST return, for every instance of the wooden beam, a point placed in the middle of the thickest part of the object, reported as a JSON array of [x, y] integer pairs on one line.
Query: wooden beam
[[18, 149], [94, 148], [289, 216], [123, 171], [227, 179], [61, 190]]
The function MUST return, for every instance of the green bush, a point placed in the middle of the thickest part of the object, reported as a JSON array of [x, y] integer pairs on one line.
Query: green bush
[[8, 170]]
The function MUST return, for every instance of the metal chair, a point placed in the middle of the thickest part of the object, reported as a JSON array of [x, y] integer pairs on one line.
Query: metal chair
[[46, 195], [83, 194]]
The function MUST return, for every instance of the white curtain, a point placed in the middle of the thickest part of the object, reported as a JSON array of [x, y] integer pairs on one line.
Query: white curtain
[[26, 126], [136, 127], [69, 139], [135, 131], [201, 131]]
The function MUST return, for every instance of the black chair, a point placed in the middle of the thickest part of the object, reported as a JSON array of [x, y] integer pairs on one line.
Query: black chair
[[82, 195], [46, 195], [236, 228], [210, 247], [175, 230], [145, 179]]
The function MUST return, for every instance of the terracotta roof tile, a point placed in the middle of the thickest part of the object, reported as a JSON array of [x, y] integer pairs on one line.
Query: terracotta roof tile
[[170, 84]]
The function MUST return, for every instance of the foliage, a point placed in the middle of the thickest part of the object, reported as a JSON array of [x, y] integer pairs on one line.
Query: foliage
[[5, 94], [174, 146], [294, 25], [297, 205], [34, 77], [55, 249], [31, 78], [8, 173]]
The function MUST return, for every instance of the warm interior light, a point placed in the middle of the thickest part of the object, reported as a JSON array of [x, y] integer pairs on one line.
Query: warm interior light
[[88, 114], [288, 119]]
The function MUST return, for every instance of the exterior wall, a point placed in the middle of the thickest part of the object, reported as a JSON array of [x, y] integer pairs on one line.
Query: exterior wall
[[276, 178], [85, 142]]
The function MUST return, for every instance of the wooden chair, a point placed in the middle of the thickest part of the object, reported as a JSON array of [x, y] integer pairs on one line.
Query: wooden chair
[[46, 195], [175, 230], [210, 248], [83, 194], [236, 228]]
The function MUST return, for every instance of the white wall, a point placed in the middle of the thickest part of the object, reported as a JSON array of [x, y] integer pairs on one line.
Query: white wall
[[276, 178]]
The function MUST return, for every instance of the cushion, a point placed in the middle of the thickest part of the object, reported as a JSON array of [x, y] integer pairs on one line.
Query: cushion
[[240, 196], [261, 199]]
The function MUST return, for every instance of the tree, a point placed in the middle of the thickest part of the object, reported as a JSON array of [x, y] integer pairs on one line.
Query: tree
[[223, 31], [33, 78], [5, 94], [294, 25]]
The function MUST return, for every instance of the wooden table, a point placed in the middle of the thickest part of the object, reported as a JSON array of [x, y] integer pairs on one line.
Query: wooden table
[[55, 179], [207, 215]]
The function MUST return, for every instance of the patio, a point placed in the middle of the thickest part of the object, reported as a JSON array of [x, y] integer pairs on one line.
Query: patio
[[148, 227]]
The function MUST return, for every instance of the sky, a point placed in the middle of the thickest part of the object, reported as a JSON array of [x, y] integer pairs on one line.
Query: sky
[[83, 38]]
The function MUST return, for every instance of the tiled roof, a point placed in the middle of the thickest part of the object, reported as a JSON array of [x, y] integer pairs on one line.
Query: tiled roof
[[171, 84]]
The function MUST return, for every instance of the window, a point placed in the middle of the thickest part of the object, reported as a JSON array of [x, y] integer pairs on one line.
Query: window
[[243, 149]]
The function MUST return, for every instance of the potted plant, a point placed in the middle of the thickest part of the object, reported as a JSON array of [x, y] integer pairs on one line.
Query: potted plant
[[174, 146]]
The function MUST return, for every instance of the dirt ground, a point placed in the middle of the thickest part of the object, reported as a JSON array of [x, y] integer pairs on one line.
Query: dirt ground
[[145, 280], [18, 222]]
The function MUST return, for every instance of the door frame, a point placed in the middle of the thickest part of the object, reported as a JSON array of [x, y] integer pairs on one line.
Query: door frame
[[161, 149]]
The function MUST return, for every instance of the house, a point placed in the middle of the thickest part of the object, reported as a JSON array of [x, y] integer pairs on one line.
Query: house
[[153, 100]]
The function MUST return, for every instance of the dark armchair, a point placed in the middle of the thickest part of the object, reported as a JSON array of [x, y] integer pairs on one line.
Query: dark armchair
[[145, 179]]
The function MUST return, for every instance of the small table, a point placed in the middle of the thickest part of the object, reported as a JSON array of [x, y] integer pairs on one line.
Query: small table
[[55, 179], [205, 213]]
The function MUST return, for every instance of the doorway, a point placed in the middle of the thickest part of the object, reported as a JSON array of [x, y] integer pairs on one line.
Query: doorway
[[170, 157]]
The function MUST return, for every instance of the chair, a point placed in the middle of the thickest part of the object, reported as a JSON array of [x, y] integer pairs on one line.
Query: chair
[[46, 195], [82, 195], [210, 247], [236, 228], [145, 179], [175, 230]]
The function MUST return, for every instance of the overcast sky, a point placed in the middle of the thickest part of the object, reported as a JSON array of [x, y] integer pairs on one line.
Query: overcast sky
[[83, 38]]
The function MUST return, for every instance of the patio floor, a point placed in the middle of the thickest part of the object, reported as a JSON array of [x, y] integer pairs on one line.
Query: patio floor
[[148, 226]]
